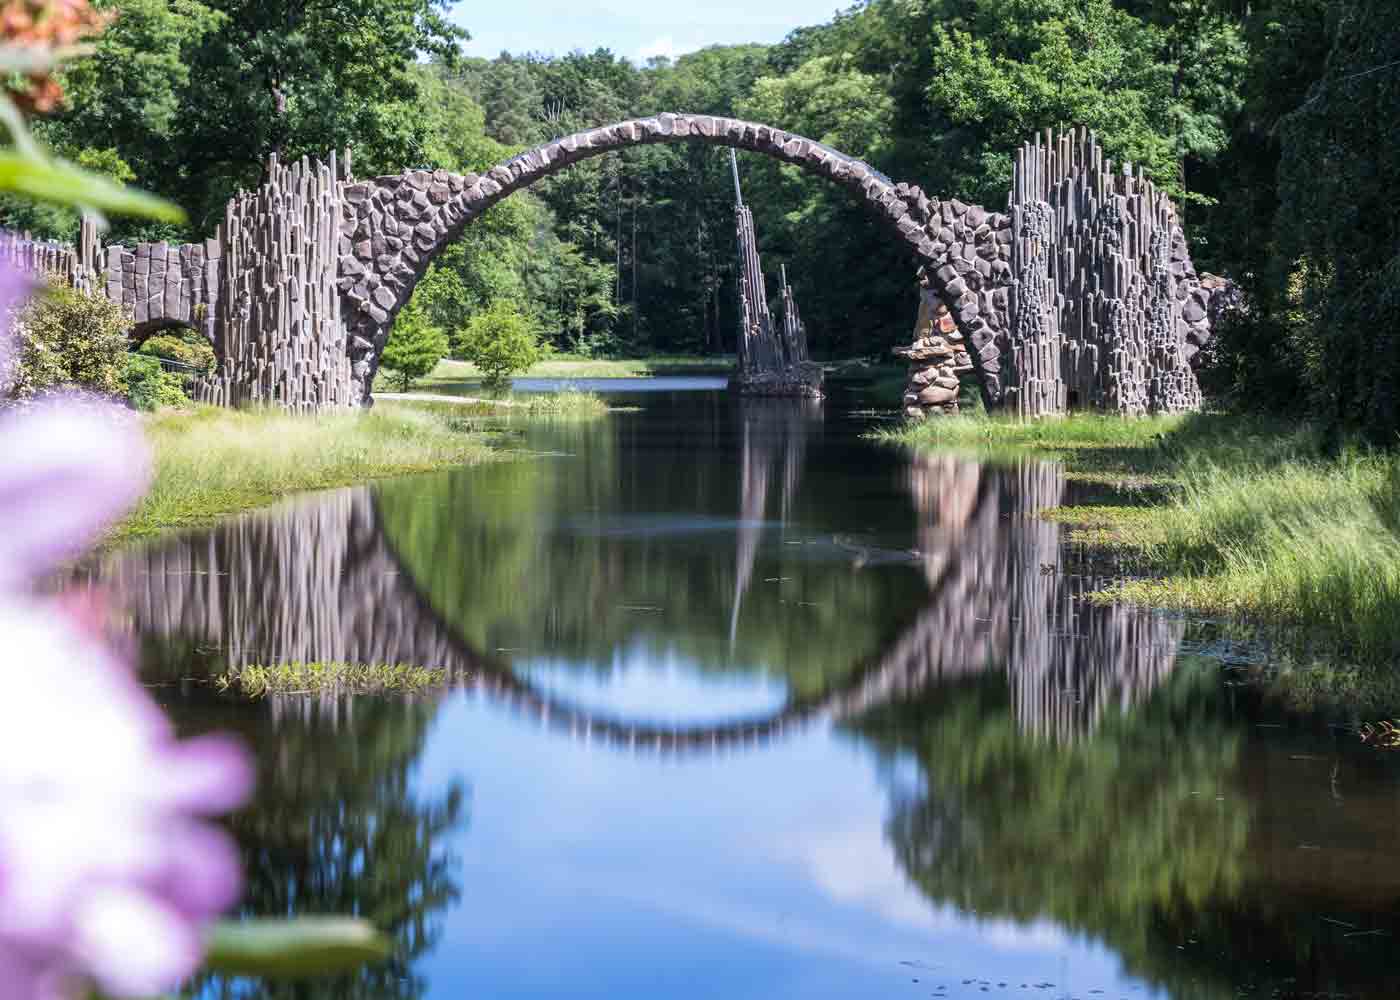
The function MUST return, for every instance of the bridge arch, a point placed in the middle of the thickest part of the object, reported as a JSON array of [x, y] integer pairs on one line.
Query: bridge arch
[[393, 226]]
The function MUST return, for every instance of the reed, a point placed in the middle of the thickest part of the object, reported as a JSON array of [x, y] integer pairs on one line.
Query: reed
[[211, 462], [1310, 542], [1251, 518], [259, 681]]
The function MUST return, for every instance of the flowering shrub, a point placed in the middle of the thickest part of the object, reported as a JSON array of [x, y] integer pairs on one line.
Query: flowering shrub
[[70, 340]]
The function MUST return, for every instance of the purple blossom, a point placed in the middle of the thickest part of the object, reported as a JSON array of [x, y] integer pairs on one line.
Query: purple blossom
[[109, 869], [15, 287]]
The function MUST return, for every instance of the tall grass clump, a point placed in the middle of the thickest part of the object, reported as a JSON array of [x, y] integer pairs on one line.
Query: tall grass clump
[[211, 462], [259, 681], [1071, 433], [1255, 518], [565, 404], [1306, 540]]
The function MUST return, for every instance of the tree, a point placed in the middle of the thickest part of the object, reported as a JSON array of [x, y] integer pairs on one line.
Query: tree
[[500, 341], [195, 96], [415, 345], [1338, 222]]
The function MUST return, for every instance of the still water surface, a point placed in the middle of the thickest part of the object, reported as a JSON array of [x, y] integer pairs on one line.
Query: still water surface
[[747, 707]]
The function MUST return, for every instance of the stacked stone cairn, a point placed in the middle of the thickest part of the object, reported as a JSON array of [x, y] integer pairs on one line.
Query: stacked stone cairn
[[772, 361], [937, 358]]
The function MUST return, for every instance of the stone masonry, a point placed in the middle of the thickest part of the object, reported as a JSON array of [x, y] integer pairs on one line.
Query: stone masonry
[[299, 287]]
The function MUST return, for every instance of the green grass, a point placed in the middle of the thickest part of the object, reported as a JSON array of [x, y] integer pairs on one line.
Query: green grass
[[451, 373], [320, 678], [566, 404], [212, 462], [1306, 541], [563, 405], [1247, 518]]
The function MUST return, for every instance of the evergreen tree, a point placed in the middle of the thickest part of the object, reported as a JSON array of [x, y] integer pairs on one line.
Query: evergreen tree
[[415, 345]]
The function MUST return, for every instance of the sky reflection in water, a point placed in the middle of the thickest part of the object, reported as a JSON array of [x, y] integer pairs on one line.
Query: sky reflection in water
[[758, 874]]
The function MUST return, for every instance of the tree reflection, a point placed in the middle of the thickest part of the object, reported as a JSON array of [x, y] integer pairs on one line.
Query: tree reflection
[[1117, 834], [337, 827], [1069, 772], [710, 551]]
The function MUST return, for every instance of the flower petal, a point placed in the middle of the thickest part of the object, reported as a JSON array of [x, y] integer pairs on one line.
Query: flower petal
[[206, 775], [132, 944], [69, 468], [202, 875]]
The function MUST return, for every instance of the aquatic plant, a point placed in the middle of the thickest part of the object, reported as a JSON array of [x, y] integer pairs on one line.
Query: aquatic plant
[[567, 403], [259, 681]]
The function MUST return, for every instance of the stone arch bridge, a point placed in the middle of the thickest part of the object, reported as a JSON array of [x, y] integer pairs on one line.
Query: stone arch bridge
[[299, 287]]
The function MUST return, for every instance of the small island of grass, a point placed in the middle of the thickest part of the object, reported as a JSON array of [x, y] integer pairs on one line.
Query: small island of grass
[[259, 681]]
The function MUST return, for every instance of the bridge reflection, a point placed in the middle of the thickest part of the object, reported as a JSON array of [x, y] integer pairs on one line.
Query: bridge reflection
[[321, 580]]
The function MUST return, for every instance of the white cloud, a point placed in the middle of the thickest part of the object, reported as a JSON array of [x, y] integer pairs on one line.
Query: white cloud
[[664, 46]]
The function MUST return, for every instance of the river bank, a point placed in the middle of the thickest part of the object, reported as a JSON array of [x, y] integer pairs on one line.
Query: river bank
[[211, 462], [459, 375], [1249, 519]]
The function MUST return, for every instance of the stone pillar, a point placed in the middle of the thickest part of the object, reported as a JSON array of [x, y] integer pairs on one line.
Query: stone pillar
[[936, 359]]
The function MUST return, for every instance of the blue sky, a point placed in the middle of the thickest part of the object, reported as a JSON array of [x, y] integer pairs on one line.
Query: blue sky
[[636, 29]]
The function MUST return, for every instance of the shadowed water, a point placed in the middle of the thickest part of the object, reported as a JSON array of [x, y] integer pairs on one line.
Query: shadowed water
[[745, 706]]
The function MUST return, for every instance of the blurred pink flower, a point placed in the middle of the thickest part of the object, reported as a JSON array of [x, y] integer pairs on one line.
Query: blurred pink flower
[[109, 870]]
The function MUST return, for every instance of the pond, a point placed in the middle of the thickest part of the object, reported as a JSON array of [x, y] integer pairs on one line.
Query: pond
[[745, 706]]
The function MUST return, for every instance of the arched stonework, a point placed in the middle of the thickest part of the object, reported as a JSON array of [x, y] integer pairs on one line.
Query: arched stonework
[[393, 226], [300, 285]]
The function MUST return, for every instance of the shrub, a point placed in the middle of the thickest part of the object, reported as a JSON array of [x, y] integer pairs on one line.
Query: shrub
[[415, 346], [501, 342], [149, 386], [68, 339], [185, 347]]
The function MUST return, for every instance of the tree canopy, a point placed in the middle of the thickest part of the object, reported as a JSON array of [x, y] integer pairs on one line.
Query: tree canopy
[[1263, 119]]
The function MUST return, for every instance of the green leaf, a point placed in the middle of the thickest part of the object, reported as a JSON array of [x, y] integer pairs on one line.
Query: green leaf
[[62, 183], [284, 949]]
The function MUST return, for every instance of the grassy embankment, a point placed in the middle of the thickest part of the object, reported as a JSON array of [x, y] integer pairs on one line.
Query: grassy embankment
[[459, 376], [1243, 518], [213, 462]]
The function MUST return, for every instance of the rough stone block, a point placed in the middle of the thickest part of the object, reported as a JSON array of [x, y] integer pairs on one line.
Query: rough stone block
[[936, 395]]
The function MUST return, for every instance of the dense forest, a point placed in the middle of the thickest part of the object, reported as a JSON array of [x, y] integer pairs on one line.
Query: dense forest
[[1267, 120]]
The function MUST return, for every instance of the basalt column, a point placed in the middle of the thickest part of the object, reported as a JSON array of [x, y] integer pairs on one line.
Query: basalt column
[[1106, 309], [278, 333], [772, 361], [794, 331]]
